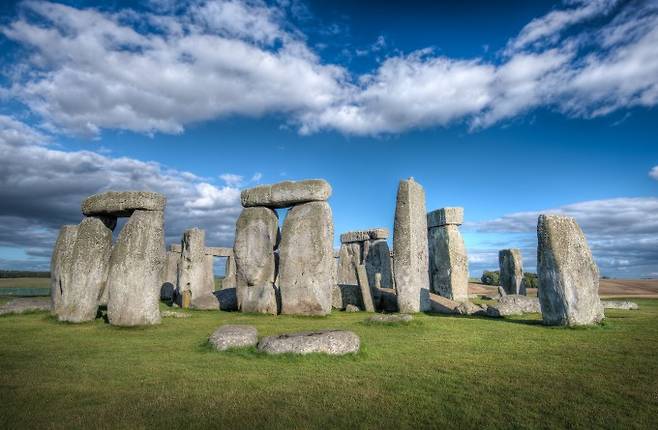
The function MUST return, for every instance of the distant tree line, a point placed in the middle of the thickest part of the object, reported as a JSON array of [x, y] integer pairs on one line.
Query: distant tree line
[[23, 274], [530, 280]]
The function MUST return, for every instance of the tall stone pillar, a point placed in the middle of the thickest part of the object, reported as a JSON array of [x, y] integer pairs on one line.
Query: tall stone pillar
[[60, 266], [511, 271], [411, 264], [447, 254]]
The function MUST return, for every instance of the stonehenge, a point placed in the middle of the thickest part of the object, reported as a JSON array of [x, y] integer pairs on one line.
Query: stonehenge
[[447, 254], [568, 276], [410, 247], [511, 271], [60, 266]]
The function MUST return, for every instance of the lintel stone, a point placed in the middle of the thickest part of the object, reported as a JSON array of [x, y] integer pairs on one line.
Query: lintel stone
[[445, 216], [122, 203], [363, 235]]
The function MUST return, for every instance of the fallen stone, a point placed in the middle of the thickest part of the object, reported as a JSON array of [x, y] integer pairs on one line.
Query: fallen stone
[[123, 203], [621, 304], [390, 318], [363, 235], [352, 308], [443, 305], [445, 216], [89, 270], [511, 271], [136, 268], [513, 304], [174, 314], [468, 308], [411, 264], [286, 194], [448, 262], [234, 336], [60, 266], [568, 276], [22, 305], [332, 342], [306, 260]]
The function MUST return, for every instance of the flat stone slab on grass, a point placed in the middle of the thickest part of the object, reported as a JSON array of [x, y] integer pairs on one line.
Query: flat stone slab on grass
[[174, 314], [331, 342], [620, 304], [390, 318], [234, 336], [122, 203], [19, 306]]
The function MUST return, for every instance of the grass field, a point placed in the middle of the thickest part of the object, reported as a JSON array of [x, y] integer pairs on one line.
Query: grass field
[[437, 371]]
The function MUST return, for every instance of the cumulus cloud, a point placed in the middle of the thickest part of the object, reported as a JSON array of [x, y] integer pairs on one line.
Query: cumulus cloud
[[41, 189], [180, 63], [654, 172]]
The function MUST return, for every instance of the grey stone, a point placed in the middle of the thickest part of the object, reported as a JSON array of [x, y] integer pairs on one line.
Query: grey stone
[[24, 304], [60, 266], [332, 342], [89, 269], [286, 194], [219, 252], [366, 294], [352, 308], [195, 271], [445, 216], [443, 305], [306, 261], [230, 275], [234, 336], [363, 235], [228, 299], [448, 262], [511, 271], [388, 300], [390, 318], [174, 314], [136, 268], [501, 291], [170, 274], [621, 304], [410, 247], [378, 262], [176, 247], [123, 203], [568, 276], [468, 308], [256, 238], [514, 304]]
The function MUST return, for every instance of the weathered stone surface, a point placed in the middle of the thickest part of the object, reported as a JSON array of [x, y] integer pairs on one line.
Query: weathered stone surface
[[445, 216], [468, 308], [443, 305], [363, 235], [123, 203], [352, 308], [448, 262], [228, 299], [89, 269], [286, 194], [176, 247], [501, 291], [195, 271], [332, 342], [347, 290], [230, 274], [390, 318], [620, 304], [136, 270], [60, 266], [256, 237], [511, 271], [234, 336], [306, 260], [257, 299], [378, 261], [514, 304], [410, 248], [388, 300], [366, 294], [170, 276], [568, 276], [25, 304], [174, 314], [219, 251]]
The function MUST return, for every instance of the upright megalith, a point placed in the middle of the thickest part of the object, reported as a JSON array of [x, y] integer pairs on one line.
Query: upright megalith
[[286, 194], [306, 264], [411, 265], [511, 271], [88, 272], [447, 254], [195, 272], [256, 238], [347, 291], [568, 276], [136, 266], [60, 266]]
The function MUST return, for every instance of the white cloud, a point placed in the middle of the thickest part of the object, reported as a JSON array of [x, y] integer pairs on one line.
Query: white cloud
[[654, 172], [231, 179]]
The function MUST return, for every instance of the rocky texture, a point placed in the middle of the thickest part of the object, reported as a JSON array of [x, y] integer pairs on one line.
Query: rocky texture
[[234, 336], [448, 262], [390, 318], [366, 294], [620, 304], [363, 235], [60, 266], [216, 251], [378, 261], [388, 300], [89, 269], [410, 248], [195, 271], [286, 194], [228, 299], [230, 274], [306, 260], [568, 277], [332, 342], [136, 268], [22, 305], [443, 305], [175, 314], [256, 238], [468, 308], [445, 216], [513, 304], [352, 308], [511, 271], [347, 290], [123, 203]]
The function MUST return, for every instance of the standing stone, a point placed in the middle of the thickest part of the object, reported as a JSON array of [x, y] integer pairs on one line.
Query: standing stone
[[568, 277], [256, 238], [306, 260], [89, 269], [195, 271], [448, 258], [366, 294], [410, 248], [230, 274], [378, 261], [511, 271], [136, 270], [170, 276], [60, 266], [348, 291]]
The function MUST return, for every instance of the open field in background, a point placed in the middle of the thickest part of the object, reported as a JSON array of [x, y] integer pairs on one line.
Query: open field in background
[[437, 371]]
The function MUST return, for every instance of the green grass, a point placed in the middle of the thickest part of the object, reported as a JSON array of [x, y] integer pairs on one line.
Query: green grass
[[438, 371]]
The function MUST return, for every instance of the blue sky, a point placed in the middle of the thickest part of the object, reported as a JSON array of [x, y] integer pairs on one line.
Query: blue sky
[[508, 109]]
